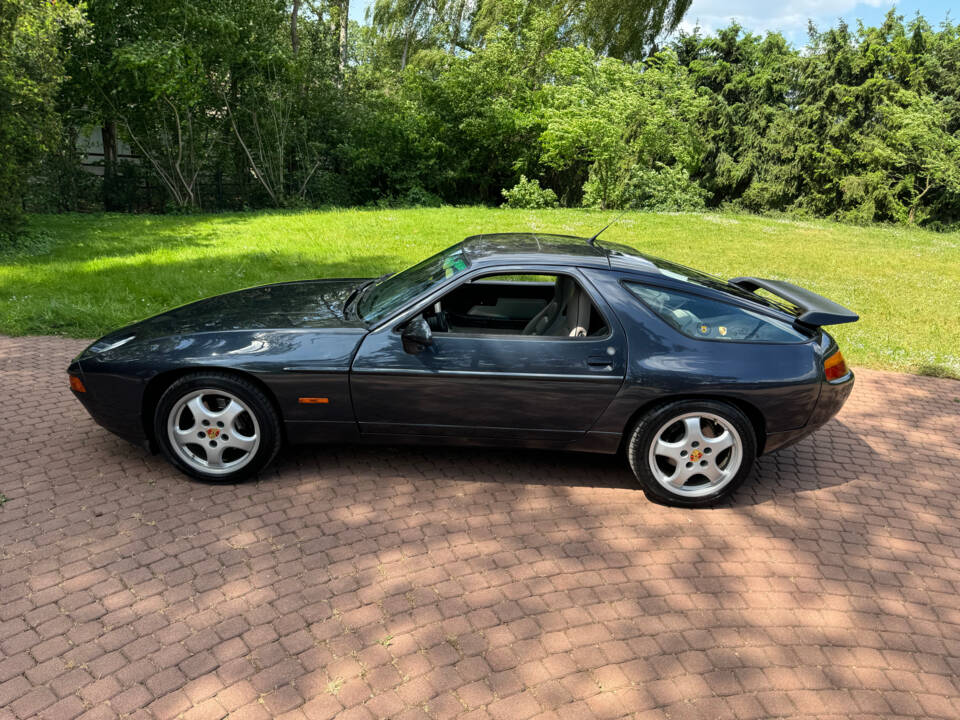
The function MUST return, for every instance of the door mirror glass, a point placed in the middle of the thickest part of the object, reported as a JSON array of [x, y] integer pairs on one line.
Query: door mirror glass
[[416, 336]]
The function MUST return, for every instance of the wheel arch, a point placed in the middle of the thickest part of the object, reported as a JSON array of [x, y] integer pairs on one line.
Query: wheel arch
[[756, 418], [158, 384]]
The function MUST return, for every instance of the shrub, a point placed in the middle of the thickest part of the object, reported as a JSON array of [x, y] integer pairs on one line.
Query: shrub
[[417, 196], [25, 242], [528, 195], [662, 189]]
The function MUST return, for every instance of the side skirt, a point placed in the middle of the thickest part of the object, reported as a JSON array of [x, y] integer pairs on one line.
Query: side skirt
[[299, 433]]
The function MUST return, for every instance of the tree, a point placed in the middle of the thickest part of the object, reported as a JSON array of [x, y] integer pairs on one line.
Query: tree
[[407, 27], [615, 119], [31, 72], [199, 86], [915, 151], [627, 30], [282, 102], [150, 72], [747, 81]]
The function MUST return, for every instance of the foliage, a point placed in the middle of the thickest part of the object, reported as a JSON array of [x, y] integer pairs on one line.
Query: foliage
[[102, 271], [233, 104], [917, 151], [31, 71], [861, 128], [624, 29], [664, 189], [26, 244], [617, 120], [418, 197], [527, 194], [59, 184]]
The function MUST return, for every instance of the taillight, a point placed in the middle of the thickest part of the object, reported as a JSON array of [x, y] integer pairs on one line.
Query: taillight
[[76, 384], [835, 367]]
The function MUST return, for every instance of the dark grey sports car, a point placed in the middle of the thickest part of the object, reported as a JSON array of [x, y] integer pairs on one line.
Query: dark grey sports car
[[511, 339]]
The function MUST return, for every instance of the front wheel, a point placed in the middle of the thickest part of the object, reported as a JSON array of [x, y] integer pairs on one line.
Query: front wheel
[[692, 452], [216, 426]]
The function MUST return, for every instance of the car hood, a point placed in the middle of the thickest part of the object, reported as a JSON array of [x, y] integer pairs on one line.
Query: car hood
[[306, 304]]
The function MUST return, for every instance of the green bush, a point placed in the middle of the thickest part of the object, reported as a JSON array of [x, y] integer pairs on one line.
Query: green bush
[[417, 196], [528, 195], [664, 189], [26, 242]]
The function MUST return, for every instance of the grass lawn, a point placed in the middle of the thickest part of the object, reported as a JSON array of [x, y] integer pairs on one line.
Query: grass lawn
[[103, 271]]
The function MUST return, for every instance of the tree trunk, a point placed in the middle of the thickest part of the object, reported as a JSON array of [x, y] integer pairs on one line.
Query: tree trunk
[[406, 46], [294, 35], [406, 37], [108, 134], [455, 30], [344, 20], [916, 202]]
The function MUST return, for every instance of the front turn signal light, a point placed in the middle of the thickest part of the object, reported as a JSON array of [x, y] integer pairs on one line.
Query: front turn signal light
[[76, 384], [835, 367]]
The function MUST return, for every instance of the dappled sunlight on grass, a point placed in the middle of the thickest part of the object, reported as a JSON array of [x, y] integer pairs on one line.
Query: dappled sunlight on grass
[[103, 271]]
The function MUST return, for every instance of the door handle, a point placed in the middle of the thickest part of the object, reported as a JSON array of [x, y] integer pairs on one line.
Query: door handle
[[600, 362]]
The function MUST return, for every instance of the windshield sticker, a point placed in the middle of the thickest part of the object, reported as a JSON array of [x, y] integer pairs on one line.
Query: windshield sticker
[[453, 265]]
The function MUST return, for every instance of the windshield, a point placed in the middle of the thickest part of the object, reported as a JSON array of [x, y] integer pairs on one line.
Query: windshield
[[385, 297]]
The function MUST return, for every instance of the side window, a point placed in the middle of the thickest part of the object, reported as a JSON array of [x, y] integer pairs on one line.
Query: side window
[[700, 317], [518, 304]]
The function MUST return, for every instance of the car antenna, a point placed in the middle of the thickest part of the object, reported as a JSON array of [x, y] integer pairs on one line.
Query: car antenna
[[591, 241]]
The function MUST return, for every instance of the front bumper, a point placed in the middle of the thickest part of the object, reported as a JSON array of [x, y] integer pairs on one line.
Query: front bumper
[[832, 397], [118, 420]]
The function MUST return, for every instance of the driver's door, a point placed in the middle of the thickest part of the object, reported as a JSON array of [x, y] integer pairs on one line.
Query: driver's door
[[487, 385]]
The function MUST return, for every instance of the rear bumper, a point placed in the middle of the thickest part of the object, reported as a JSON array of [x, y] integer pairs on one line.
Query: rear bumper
[[832, 397]]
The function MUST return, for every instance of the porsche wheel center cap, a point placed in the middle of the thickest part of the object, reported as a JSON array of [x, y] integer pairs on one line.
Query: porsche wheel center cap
[[213, 433], [695, 456]]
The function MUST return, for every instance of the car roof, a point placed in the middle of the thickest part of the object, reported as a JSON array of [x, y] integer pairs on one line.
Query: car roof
[[499, 249], [513, 248]]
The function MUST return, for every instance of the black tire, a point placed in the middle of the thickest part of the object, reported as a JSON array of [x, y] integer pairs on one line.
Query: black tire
[[267, 423], [644, 433]]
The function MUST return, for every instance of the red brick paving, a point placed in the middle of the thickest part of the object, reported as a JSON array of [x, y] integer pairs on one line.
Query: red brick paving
[[361, 582]]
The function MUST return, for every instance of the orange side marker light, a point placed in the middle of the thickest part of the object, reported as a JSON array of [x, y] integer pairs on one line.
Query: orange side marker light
[[76, 384], [314, 401]]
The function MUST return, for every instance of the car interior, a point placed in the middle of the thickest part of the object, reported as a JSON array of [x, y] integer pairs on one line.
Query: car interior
[[536, 305], [702, 318]]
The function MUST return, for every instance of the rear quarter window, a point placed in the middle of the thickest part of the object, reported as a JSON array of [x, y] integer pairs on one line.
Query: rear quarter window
[[706, 319]]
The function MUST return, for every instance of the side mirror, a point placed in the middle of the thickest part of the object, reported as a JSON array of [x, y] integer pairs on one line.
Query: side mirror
[[416, 336]]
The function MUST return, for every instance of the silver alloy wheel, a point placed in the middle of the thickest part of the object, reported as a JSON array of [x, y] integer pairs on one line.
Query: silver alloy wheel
[[213, 431], [695, 454]]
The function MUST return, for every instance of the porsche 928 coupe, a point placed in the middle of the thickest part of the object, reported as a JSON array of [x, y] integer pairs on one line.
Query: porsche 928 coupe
[[530, 340]]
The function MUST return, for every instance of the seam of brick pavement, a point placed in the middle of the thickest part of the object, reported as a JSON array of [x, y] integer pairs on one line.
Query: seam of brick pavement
[[364, 582]]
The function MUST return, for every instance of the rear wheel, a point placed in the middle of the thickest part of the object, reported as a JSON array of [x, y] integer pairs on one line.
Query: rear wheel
[[692, 452], [216, 426]]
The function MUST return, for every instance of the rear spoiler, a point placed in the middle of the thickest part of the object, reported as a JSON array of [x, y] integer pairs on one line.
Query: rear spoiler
[[815, 310]]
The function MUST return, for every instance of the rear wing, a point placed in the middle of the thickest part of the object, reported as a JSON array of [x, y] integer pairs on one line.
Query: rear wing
[[815, 310]]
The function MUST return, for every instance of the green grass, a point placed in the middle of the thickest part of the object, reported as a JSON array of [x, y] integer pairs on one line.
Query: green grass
[[98, 272]]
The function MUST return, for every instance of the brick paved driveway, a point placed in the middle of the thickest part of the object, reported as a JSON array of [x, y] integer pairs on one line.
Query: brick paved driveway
[[412, 583]]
